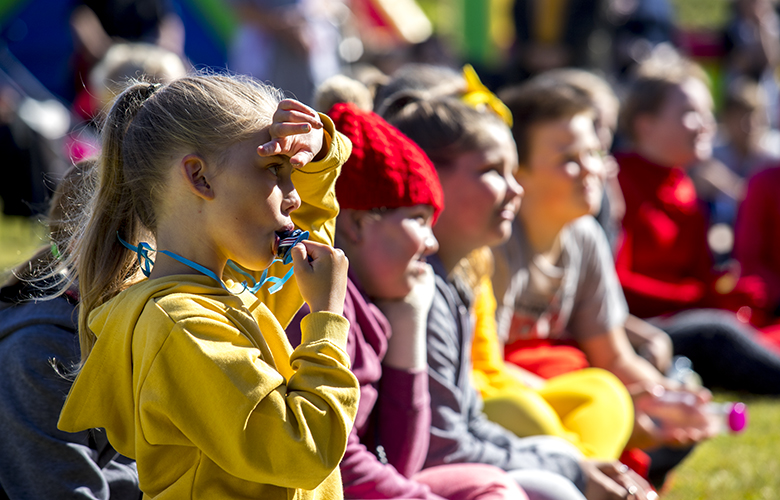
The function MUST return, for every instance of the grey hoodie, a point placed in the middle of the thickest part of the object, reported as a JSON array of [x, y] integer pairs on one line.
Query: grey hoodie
[[460, 431], [36, 459]]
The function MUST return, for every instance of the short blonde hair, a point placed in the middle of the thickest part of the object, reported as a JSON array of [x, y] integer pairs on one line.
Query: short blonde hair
[[125, 62]]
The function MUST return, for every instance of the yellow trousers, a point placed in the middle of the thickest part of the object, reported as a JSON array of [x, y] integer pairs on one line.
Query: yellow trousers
[[591, 408]]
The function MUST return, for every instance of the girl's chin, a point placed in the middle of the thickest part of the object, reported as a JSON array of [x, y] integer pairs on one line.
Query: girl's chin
[[499, 236]]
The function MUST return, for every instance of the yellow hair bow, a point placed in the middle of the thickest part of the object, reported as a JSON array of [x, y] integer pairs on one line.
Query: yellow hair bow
[[477, 95]]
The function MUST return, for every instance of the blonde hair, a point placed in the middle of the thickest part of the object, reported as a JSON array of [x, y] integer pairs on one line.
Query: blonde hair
[[125, 62], [146, 126], [475, 267]]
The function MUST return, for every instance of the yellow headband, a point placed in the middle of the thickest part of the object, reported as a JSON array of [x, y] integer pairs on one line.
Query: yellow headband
[[477, 95]]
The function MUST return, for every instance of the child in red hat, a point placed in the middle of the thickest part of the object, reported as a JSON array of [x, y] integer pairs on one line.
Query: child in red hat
[[390, 197]]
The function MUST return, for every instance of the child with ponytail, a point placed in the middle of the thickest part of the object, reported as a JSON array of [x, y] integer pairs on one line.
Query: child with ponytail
[[186, 366]]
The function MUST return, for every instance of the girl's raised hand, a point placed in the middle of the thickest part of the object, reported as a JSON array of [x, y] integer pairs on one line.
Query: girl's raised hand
[[296, 132]]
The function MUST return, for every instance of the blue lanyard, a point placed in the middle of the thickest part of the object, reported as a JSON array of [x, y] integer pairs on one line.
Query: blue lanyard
[[146, 263]]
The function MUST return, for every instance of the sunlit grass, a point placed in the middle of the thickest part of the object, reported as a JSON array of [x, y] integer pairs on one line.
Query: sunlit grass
[[19, 238], [712, 14], [734, 467]]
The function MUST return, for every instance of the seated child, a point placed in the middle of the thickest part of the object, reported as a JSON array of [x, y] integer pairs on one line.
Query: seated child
[[663, 263], [561, 290], [475, 158], [189, 371], [38, 339], [390, 196]]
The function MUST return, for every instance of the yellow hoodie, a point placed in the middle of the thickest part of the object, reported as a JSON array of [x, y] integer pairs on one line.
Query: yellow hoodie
[[202, 388]]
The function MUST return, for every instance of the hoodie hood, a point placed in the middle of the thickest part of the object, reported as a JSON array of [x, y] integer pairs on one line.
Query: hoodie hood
[[59, 312], [104, 393]]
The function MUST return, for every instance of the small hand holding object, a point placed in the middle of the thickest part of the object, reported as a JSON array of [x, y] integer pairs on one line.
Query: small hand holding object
[[321, 272], [615, 481], [296, 132], [674, 416]]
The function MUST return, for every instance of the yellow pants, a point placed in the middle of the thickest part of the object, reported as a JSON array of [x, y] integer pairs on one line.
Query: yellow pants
[[591, 408]]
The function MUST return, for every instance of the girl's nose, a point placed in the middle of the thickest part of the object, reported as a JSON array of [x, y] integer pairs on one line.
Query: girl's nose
[[514, 189], [291, 202], [431, 244]]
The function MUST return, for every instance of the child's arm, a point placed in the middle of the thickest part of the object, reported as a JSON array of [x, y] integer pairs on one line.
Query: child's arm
[[404, 412], [209, 386]]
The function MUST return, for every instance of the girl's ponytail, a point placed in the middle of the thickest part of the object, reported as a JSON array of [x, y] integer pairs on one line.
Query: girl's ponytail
[[104, 266]]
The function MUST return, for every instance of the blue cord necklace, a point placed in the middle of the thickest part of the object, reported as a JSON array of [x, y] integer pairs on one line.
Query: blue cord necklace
[[283, 255]]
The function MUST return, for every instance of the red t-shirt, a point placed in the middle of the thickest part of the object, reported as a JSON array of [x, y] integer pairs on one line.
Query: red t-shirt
[[663, 261]]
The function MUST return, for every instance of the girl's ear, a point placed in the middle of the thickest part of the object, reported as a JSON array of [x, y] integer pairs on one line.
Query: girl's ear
[[194, 170], [350, 224]]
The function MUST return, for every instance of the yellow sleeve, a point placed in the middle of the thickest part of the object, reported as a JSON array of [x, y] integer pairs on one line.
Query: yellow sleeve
[[209, 390], [316, 185], [490, 372]]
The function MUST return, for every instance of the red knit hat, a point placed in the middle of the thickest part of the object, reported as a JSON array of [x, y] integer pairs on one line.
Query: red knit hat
[[386, 169]]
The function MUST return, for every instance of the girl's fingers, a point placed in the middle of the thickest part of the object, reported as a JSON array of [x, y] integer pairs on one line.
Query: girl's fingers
[[270, 148], [301, 158], [292, 104], [314, 249], [301, 257], [295, 116], [280, 130]]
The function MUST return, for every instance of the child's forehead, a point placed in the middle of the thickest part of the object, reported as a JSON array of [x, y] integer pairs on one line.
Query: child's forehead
[[564, 129]]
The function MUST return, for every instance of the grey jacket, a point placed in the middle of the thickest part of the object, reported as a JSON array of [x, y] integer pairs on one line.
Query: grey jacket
[[36, 459], [460, 432]]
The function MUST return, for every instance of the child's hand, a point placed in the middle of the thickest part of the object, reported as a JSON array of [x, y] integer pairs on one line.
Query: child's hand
[[675, 417], [408, 318], [416, 304], [321, 272], [613, 480], [296, 132]]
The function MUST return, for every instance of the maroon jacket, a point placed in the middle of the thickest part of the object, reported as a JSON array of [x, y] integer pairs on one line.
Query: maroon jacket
[[394, 412]]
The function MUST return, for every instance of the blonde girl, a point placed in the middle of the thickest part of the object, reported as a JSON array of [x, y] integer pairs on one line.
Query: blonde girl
[[189, 371]]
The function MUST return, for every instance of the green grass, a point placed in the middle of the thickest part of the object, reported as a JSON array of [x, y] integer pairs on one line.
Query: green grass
[[19, 238], [698, 14], [734, 467]]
